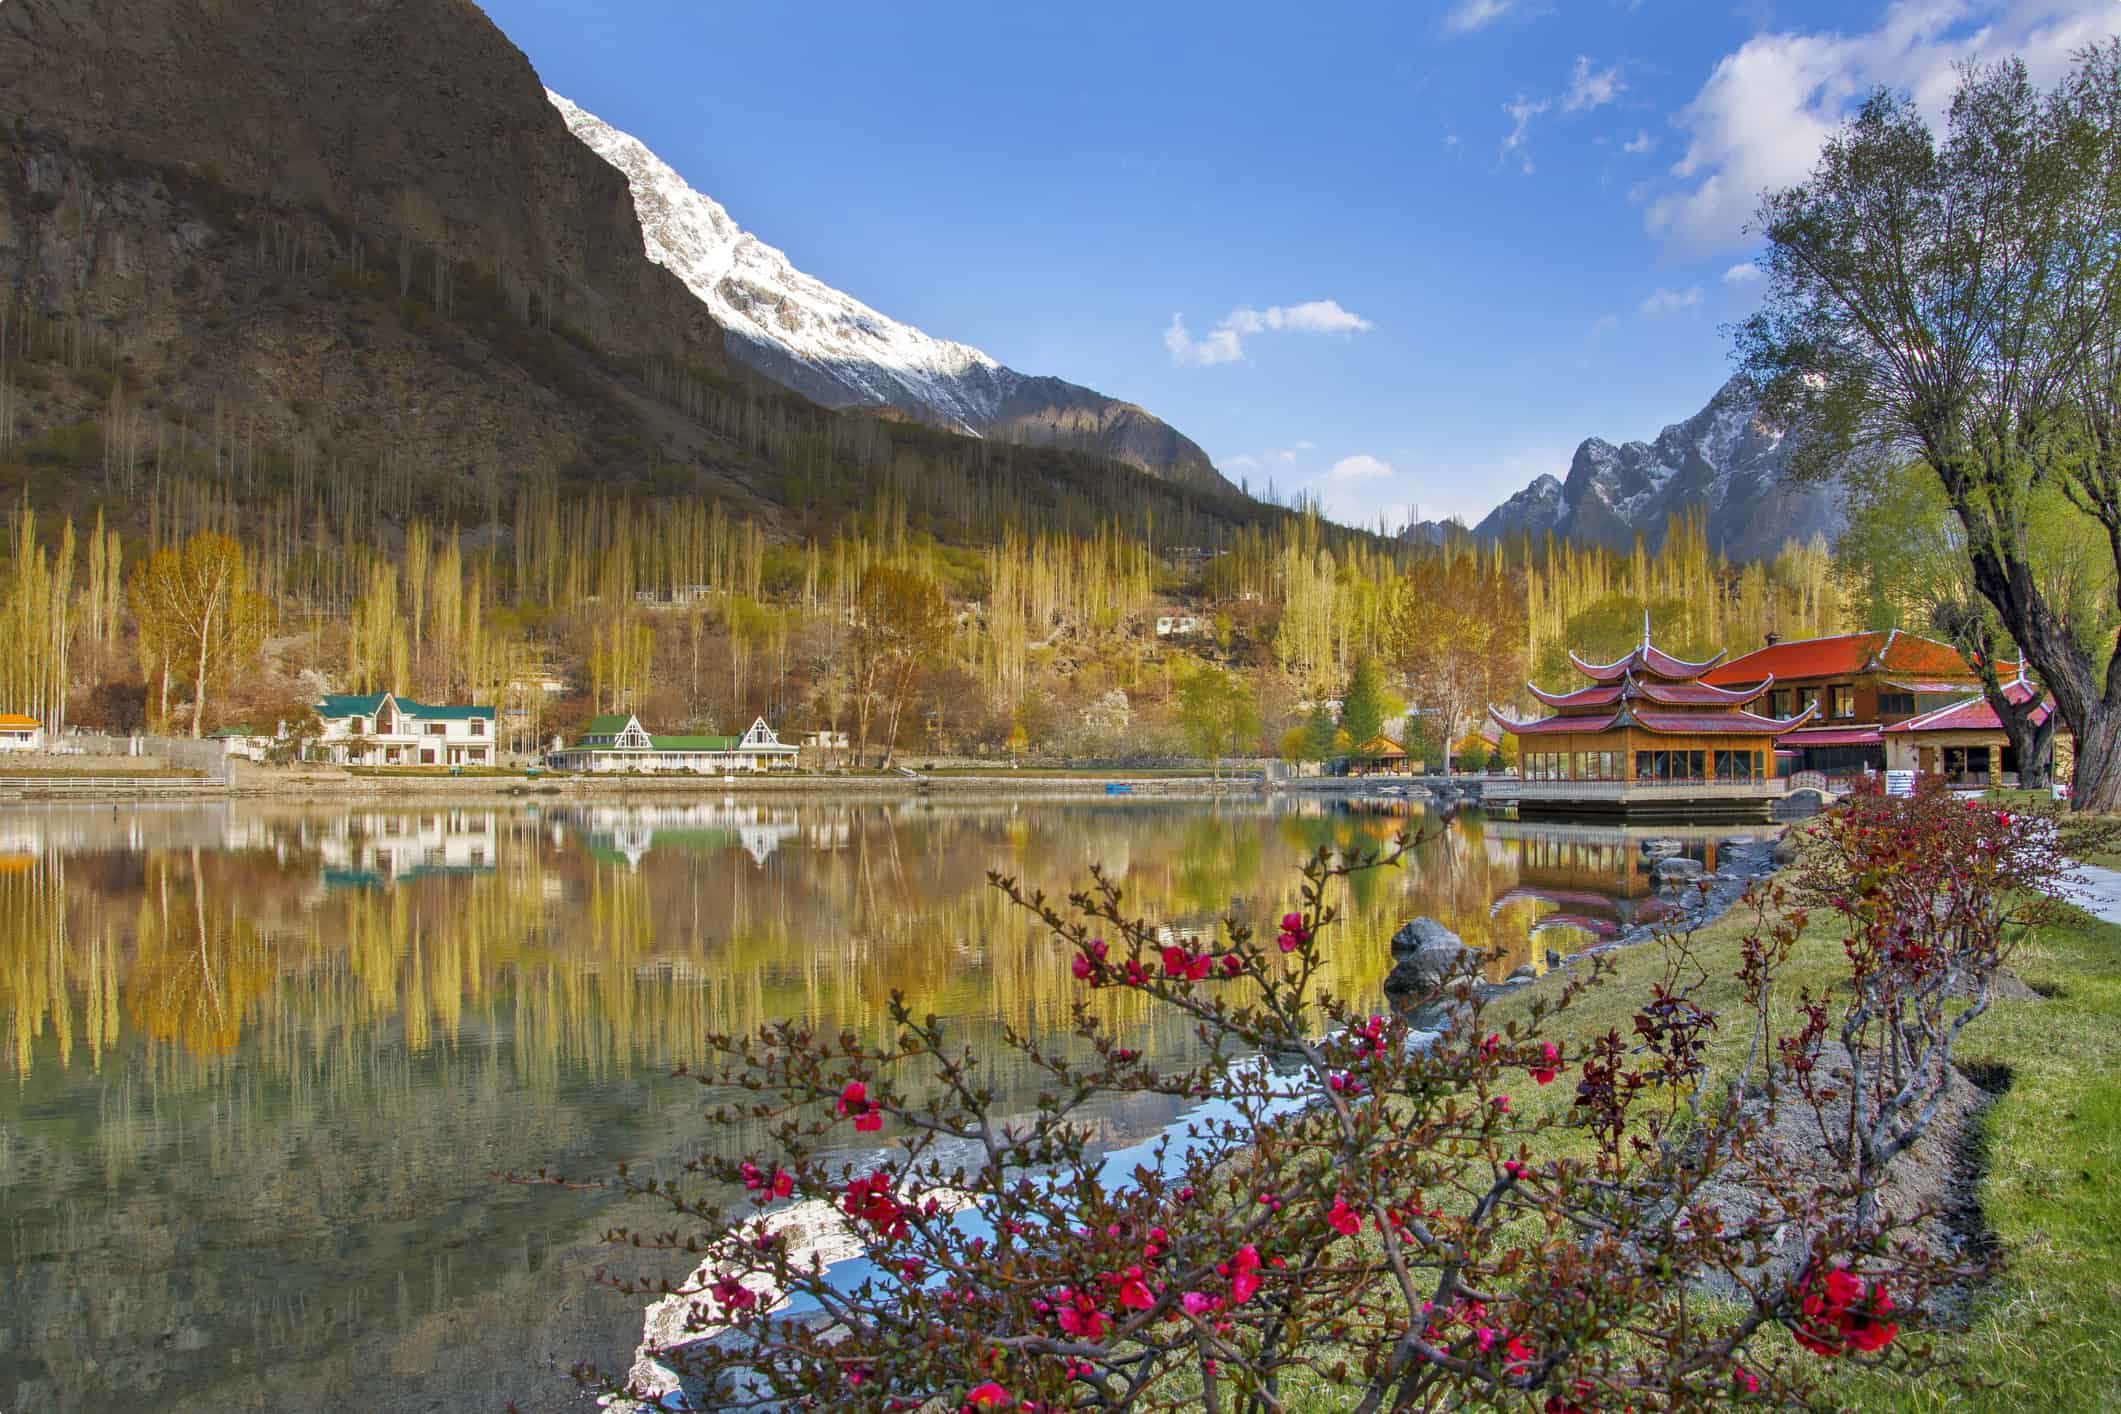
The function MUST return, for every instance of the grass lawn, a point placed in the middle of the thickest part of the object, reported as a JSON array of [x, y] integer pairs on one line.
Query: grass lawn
[[2047, 1332]]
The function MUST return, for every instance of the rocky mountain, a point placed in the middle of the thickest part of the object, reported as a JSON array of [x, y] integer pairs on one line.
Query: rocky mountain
[[345, 263], [1726, 461], [831, 347]]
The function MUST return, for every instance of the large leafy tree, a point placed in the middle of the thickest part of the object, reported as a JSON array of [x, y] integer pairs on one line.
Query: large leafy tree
[[1457, 632], [1958, 301], [1217, 713], [198, 615], [901, 623]]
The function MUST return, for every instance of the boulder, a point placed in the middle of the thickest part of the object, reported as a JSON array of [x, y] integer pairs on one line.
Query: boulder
[[1678, 868], [1786, 847], [1421, 934], [1553, 958], [1737, 842], [1661, 847], [1431, 957], [1525, 973]]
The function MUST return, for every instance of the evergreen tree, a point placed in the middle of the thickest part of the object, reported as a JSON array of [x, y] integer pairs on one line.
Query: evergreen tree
[[1362, 710]]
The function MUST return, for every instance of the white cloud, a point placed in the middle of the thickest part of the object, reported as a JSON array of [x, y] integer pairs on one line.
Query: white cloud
[[1470, 15], [1319, 316], [1640, 143], [1522, 111], [1668, 301], [1741, 274], [1225, 343], [1222, 346], [1360, 467], [1591, 88], [1759, 121]]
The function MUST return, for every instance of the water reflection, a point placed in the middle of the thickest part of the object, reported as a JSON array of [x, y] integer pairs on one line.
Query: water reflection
[[263, 1061]]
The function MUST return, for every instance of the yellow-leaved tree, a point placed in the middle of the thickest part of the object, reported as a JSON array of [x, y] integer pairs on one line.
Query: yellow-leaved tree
[[198, 615]]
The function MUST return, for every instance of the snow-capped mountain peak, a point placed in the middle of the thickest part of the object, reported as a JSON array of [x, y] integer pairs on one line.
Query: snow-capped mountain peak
[[833, 348]]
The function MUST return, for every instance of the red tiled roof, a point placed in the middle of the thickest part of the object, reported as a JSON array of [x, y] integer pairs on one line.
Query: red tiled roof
[[1548, 726], [1598, 694], [1974, 714], [1696, 694], [1843, 655], [1731, 722], [1647, 659]]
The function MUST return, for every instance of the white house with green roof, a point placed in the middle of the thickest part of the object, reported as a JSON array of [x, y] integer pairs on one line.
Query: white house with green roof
[[618, 742], [384, 729]]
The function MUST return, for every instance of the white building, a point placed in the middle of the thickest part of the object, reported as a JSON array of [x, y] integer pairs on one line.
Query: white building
[[20, 733], [383, 729], [1179, 625], [618, 742]]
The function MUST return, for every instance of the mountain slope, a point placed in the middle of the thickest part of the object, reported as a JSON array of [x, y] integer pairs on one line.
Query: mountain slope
[[1726, 462], [831, 347]]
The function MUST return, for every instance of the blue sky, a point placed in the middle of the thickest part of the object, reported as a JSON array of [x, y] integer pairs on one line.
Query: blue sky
[[1391, 255]]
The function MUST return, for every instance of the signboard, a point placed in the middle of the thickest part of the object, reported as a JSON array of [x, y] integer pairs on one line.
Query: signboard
[[1900, 783], [2061, 790]]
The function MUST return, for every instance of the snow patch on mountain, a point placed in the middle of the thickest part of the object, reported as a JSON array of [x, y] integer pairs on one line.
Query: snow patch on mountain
[[832, 348]]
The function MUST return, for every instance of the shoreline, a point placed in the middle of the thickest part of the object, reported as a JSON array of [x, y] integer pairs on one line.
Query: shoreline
[[338, 786]]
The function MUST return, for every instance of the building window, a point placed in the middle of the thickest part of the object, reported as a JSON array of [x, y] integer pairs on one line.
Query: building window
[[1841, 700], [478, 726], [360, 726], [1896, 704], [438, 729]]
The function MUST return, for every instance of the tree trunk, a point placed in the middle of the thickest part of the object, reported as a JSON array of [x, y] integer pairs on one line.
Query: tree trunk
[[2093, 716]]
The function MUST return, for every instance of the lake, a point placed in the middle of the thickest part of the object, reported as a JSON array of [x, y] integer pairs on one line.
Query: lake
[[263, 1063]]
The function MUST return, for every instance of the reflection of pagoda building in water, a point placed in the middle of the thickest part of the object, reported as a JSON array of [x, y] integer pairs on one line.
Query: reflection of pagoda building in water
[[388, 848], [631, 831], [1598, 883]]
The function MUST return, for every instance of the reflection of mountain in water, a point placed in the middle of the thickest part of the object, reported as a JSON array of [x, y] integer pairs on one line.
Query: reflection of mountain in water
[[220, 1068]]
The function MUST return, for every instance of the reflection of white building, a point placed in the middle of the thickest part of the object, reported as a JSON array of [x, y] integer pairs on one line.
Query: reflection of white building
[[632, 831], [377, 847]]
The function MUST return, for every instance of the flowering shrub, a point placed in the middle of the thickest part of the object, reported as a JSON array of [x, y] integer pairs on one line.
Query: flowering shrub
[[1383, 1218]]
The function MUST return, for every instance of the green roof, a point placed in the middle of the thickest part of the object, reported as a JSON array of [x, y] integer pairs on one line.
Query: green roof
[[695, 743], [368, 703], [606, 724]]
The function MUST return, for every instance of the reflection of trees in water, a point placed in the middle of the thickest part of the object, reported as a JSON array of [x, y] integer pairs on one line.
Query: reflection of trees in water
[[258, 1074]]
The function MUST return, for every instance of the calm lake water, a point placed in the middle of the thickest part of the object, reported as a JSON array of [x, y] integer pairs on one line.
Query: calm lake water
[[261, 1064]]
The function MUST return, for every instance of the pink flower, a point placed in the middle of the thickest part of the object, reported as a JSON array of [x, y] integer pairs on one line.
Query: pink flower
[[1134, 1293], [1083, 968], [1196, 1303], [1244, 1274], [1344, 1219], [1745, 1379], [1233, 964], [1500, 1104], [987, 1396], [1549, 1063], [783, 1183]]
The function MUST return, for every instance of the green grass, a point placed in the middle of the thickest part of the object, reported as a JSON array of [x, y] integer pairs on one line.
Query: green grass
[[2046, 1333]]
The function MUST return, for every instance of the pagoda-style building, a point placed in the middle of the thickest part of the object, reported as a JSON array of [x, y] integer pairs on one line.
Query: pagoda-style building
[[1648, 736]]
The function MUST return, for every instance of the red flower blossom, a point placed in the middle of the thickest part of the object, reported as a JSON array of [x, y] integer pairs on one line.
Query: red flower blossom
[[1549, 1063], [987, 1396], [1344, 1219]]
